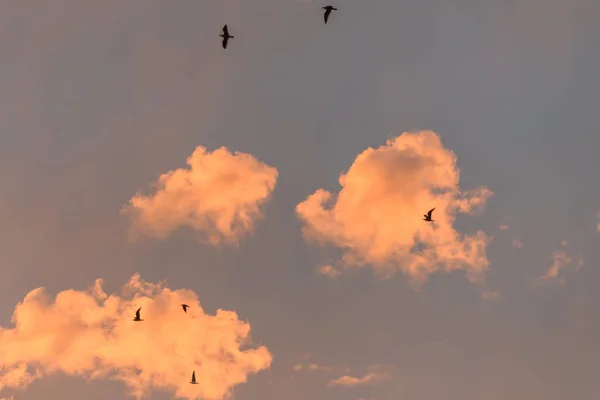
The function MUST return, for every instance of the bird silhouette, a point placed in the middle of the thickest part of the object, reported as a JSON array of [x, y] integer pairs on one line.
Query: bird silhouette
[[328, 10], [428, 215], [193, 381], [137, 315], [185, 307], [226, 36]]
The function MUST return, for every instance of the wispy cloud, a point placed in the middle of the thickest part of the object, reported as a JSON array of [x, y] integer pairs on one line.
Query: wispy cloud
[[561, 261], [376, 217], [92, 335], [316, 366], [219, 196], [517, 243], [490, 295], [504, 227], [313, 367], [329, 271], [375, 375]]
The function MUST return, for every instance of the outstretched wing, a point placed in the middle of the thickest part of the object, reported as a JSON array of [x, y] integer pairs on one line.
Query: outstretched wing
[[430, 211], [225, 39], [225, 30], [137, 313], [326, 16]]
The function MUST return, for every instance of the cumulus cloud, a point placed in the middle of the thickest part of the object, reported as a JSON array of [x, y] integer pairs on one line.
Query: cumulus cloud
[[375, 375], [219, 196], [92, 335], [561, 261], [329, 271], [376, 218]]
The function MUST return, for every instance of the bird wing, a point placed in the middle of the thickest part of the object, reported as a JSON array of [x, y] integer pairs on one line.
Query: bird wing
[[225, 42], [225, 30], [430, 211], [326, 16], [194, 376], [137, 313]]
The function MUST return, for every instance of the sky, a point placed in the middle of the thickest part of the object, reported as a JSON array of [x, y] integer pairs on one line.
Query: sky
[[278, 187]]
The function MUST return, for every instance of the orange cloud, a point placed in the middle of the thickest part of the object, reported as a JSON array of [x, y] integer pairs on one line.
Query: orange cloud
[[219, 196], [561, 261], [92, 335], [375, 376], [329, 271], [376, 218]]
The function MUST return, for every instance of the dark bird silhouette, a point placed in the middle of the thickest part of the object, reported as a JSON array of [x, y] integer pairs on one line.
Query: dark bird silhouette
[[328, 10], [193, 381], [185, 307], [137, 315], [226, 36], [428, 215]]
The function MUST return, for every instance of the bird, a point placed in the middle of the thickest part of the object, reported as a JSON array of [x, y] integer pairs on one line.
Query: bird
[[428, 215], [328, 10], [193, 381], [137, 315], [185, 307], [226, 36]]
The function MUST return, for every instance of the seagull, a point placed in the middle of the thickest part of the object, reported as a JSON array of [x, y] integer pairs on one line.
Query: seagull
[[193, 381], [428, 215], [328, 10], [226, 36], [185, 307], [137, 315]]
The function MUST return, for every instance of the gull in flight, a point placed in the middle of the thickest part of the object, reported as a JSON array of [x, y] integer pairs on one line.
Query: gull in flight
[[328, 10], [428, 215], [185, 307], [137, 315], [226, 36]]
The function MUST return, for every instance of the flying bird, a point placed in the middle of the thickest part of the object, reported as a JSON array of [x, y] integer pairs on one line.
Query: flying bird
[[226, 36], [137, 315], [428, 215], [193, 381], [185, 307], [328, 10]]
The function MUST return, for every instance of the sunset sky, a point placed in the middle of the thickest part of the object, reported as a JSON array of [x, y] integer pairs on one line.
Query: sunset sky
[[278, 188]]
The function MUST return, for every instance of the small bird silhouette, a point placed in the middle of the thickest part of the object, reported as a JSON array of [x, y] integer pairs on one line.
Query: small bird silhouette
[[226, 36], [185, 307], [328, 10], [137, 315], [193, 381], [428, 215]]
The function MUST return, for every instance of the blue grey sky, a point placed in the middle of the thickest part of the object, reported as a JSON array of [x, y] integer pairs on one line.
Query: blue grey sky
[[99, 98]]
